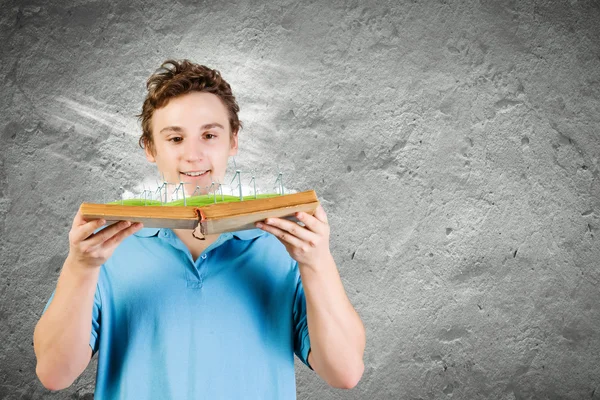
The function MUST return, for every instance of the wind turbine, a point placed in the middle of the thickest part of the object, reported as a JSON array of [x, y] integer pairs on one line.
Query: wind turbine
[[159, 190], [145, 193], [279, 181], [197, 189], [176, 191], [214, 186], [163, 186], [220, 188], [253, 181], [208, 189], [238, 175]]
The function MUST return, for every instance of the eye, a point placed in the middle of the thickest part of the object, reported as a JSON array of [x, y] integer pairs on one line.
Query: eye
[[176, 139], [210, 136]]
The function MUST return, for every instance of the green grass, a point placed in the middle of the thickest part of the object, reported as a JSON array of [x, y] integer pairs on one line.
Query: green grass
[[196, 201]]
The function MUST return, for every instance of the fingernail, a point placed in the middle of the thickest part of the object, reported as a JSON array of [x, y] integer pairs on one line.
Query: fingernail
[[259, 225]]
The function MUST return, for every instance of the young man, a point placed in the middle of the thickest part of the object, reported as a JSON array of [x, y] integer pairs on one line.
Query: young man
[[173, 317]]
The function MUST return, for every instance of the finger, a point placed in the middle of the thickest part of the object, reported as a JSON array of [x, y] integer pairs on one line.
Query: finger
[[312, 223], [106, 233], [116, 239], [320, 214], [80, 233], [282, 235], [78, 220], [291, 227]]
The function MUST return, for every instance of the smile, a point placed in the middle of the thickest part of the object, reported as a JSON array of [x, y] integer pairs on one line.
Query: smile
[[196, 174]]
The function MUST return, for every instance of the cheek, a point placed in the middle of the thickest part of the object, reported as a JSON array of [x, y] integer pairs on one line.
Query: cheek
[[166, 157], [169, 153], [219, 161]]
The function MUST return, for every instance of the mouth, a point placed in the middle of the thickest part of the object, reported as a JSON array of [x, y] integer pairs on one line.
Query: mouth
[[196, 174]]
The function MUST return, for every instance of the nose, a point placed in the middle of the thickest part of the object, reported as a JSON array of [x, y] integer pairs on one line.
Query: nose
[[193, 150]]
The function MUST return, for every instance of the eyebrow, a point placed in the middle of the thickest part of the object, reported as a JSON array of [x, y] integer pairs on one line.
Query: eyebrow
[[202, 128]]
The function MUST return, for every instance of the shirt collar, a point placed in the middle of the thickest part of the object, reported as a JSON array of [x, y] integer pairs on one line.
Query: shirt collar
[[242, 235], [147, 232], [249, 234]]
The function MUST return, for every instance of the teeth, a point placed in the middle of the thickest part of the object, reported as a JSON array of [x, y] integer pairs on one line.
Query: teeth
[[194, 173]]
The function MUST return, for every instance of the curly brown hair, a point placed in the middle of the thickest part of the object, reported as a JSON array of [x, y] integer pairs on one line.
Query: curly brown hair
[[175, 78]]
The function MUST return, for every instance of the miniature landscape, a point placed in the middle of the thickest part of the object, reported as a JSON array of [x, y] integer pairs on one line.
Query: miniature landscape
[[195, 201]]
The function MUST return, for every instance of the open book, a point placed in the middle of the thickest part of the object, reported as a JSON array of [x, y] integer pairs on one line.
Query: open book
[[210, 219]]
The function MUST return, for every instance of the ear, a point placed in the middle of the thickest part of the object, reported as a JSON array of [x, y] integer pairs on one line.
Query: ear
[[233, 141], [149, 155]]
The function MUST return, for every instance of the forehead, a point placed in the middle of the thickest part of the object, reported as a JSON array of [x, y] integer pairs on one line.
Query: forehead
[[190, 111]]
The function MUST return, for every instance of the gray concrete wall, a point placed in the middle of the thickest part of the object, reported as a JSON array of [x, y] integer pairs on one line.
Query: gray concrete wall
[[454, 144]]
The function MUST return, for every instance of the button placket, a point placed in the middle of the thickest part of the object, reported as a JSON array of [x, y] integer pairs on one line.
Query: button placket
[[194, 281], [198, 263], [195, 278]]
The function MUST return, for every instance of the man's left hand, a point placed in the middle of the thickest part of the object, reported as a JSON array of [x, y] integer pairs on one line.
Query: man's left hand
[[308, 244]]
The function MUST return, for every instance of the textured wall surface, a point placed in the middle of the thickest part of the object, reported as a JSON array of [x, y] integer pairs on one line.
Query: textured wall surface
[[454, 144]]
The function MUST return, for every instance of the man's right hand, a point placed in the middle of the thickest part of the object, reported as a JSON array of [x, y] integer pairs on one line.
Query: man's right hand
[[62, 335], [90, 250]]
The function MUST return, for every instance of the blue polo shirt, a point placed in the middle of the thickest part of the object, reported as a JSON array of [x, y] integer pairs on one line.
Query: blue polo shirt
[[223, 327]]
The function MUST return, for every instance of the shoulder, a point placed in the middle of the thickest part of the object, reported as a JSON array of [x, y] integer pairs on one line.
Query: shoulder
[[264, 248], [137, 248]]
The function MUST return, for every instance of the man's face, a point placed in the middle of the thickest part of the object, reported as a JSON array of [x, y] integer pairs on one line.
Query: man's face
[[192, 140]]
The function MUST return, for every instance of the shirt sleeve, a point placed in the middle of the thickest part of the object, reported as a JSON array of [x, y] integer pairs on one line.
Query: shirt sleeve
[[94, 335], [301, 337]]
